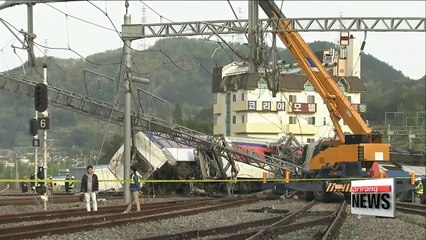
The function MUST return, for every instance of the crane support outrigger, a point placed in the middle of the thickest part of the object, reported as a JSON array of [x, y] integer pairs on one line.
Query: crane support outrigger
[[349, 155]]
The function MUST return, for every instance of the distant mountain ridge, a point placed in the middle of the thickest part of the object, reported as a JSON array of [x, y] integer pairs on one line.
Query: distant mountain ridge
[[180, 71]]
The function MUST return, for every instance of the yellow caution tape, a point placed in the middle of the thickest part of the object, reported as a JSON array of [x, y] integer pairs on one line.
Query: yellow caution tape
[[198, 180]]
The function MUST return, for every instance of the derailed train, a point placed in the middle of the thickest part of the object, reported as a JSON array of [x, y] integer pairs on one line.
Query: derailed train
[[159, 158]]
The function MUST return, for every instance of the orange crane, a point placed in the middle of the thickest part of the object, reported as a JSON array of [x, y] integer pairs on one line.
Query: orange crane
[[348, 156]]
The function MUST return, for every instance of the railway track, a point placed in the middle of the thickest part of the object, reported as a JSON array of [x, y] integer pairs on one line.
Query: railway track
[[34, 199], [411, 208], [78, 212], [269, 228], [109, 219]]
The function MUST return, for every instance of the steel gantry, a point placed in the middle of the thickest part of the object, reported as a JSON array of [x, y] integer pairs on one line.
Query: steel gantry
[[377, 24], [216, 147]]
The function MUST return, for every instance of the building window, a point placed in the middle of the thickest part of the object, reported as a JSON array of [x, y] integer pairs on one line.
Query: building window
[[310, 140], [292, 120], [327, 58], [234, 119], [324, 122], [234, 98], [309, 86], [262, 84], [349, 98], [342, 85], [242, 118], [311, 99], [311, 120], [292, 98], [242, 96]]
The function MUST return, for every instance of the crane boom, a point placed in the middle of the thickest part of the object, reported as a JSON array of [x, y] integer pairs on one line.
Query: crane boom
[[337, 103], [352, 155]]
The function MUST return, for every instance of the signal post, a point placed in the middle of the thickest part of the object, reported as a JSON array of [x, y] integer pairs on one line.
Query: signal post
[[42, 123]]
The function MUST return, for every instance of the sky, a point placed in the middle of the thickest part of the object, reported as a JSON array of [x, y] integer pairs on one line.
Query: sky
[[405, 51]]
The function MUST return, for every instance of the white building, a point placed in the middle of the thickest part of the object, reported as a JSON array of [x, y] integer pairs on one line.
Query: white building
[[244, 105]]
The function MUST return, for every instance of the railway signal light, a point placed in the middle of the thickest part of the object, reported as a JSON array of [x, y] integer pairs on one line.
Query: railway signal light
[[33, 127], [40, 97], [40, 173]]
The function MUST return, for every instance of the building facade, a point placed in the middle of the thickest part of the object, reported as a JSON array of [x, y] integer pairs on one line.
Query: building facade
[[245, 107]]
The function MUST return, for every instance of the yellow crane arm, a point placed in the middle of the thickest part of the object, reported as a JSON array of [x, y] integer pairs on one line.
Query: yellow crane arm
[[337, 103]]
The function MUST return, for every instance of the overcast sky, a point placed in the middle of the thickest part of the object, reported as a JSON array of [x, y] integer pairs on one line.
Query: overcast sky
[[404, 51]]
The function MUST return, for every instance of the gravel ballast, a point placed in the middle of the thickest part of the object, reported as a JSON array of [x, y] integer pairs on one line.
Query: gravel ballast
[[404, 226]]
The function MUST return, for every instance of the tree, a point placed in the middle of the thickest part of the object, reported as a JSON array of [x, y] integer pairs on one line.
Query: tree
[[177, 113]]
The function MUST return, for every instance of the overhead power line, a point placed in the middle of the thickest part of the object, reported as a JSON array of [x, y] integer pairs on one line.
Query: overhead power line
[[78, 18], [160, 15]]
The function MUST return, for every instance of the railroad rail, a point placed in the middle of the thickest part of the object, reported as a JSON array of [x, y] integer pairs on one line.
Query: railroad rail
[[411, 208], [269, 227], [333, 229], [29, 200], [80, 212], [117, 219]]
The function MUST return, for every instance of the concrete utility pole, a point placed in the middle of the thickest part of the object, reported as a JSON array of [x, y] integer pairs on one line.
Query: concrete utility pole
[[45, 114], [253, 34], [127, 110], [30, 36]]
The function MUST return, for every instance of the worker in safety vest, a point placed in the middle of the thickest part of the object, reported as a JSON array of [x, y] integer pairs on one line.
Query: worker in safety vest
[[419, 188], [135, 188], [69, 184]]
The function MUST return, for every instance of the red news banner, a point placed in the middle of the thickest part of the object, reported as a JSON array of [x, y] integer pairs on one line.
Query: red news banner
[[371, 189]]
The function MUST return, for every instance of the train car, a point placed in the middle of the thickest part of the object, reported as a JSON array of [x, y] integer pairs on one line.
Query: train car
[[158, 158], [108, 182]]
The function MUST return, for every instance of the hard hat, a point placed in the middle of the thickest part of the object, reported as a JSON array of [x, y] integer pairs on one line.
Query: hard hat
[[72, 177], [418, 179]]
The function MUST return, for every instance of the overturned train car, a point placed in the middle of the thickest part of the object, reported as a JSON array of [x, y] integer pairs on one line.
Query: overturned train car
[[159, 158]]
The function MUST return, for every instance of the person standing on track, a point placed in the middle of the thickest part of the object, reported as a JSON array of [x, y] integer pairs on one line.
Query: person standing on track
[[71, 186], [67, 183], [418, 189], [135, 188], [89, 187], [24, 185], [32, 183]]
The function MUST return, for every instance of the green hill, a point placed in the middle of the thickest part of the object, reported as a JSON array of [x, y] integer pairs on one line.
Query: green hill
[[180, 71]]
